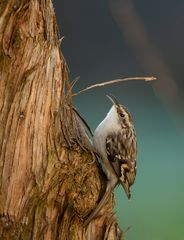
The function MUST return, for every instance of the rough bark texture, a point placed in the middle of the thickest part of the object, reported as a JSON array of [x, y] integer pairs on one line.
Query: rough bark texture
[[49, 181]]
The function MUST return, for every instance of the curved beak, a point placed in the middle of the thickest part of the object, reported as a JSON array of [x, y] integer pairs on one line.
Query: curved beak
[[112, 99]]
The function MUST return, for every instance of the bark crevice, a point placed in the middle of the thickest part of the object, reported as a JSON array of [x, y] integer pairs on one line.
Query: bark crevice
[[49, 181]]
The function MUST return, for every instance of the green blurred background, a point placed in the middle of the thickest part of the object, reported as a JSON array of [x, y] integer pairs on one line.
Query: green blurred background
[[109, 39]]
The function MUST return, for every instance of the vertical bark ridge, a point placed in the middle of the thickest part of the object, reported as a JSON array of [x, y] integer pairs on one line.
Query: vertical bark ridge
[[49, 181]]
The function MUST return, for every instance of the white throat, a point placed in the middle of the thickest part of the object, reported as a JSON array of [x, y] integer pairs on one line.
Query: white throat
[[108, 126]]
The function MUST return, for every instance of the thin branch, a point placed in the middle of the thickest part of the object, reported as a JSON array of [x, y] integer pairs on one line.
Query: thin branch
[[146, 79]]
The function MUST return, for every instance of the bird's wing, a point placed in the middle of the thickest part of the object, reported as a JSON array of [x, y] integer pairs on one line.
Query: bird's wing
[[121, 151]]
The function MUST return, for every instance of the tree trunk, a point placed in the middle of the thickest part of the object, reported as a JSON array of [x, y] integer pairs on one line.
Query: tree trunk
[[49, 181]]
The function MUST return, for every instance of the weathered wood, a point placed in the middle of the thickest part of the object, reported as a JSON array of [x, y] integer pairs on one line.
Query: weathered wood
[[49, 181]]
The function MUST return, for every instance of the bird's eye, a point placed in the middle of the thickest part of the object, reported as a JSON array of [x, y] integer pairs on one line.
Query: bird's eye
[[122, 115]]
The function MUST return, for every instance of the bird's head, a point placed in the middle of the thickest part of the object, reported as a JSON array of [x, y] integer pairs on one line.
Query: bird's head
[[124, 116]]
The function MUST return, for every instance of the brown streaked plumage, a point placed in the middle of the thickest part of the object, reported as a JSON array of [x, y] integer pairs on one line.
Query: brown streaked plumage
[[121, 152], [115, 142]]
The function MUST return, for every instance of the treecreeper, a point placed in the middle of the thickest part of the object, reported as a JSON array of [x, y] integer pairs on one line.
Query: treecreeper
[[115, 143]]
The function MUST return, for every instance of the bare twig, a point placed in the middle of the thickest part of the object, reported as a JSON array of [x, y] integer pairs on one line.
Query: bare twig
[[127, 229], [146, 79]]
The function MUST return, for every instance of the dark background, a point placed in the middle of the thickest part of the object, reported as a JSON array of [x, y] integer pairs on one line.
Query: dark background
[[111, 39]]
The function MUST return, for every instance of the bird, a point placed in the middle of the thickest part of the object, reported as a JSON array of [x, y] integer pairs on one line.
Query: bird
[[115, 143]]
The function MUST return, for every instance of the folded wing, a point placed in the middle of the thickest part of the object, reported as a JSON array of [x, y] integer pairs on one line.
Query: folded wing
[[121, 152]]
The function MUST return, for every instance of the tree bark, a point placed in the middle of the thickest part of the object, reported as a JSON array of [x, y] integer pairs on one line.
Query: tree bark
[[49, 180]]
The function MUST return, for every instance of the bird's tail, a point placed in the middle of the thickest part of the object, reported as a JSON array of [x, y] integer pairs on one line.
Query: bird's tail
[[109, 189]]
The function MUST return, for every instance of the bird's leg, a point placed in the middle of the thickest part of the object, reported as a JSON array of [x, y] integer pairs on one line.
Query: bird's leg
[[112, 181]]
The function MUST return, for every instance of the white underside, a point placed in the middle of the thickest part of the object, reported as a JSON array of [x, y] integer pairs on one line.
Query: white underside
[[108, 126]]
